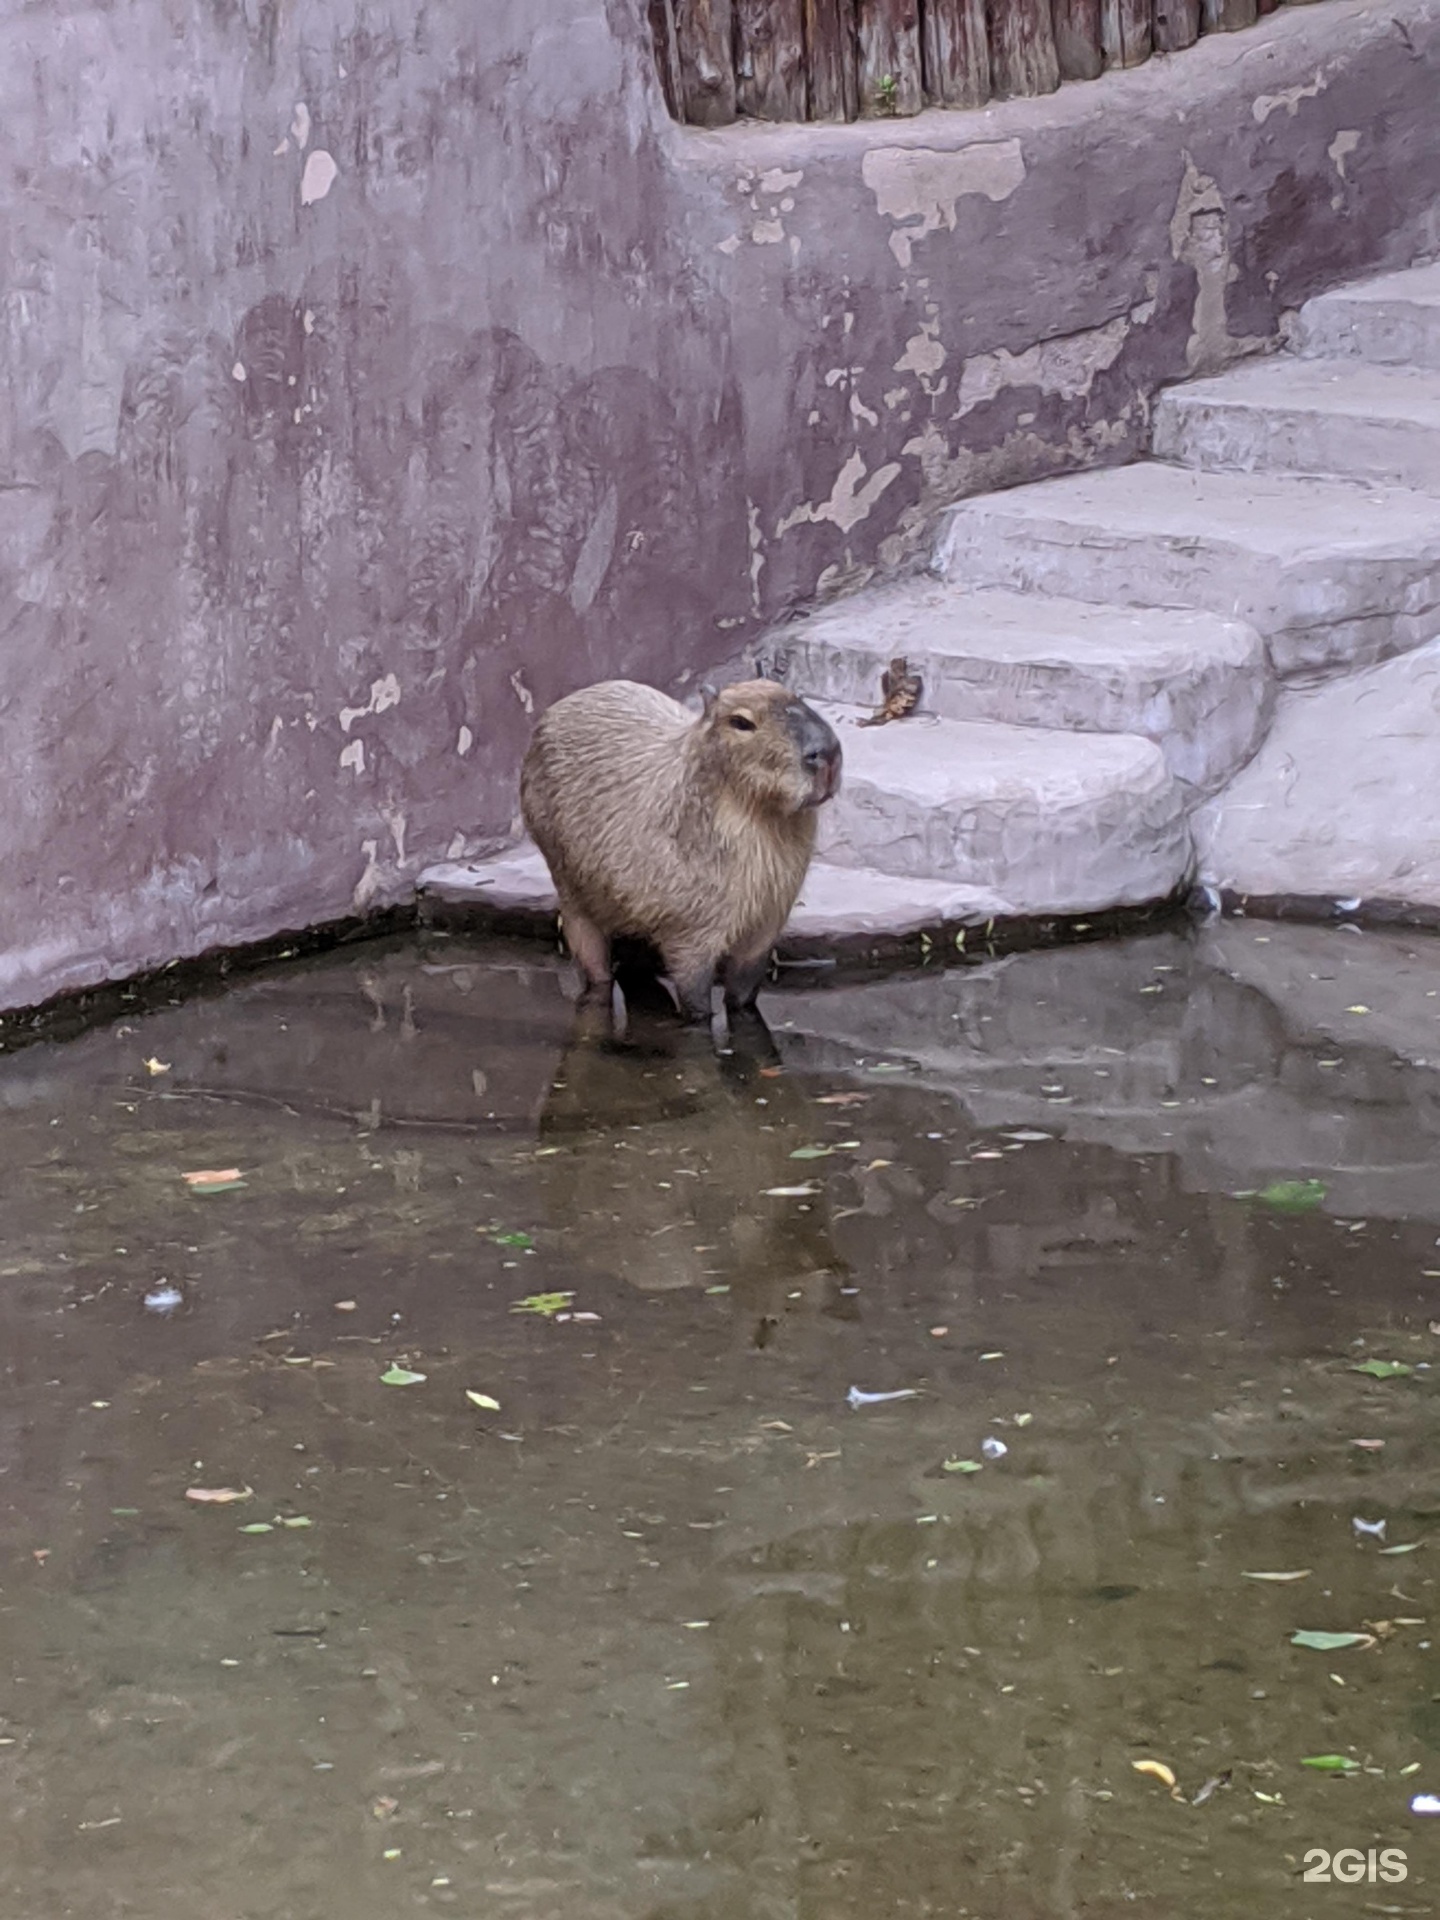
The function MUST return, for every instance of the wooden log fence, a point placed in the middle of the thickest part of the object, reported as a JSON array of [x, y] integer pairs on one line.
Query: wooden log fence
[[721, 60]]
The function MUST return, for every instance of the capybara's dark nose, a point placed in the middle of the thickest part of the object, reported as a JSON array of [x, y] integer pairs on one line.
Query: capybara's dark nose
[[814, 737]]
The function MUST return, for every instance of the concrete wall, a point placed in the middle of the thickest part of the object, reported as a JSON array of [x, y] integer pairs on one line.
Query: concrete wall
[[374, 372]]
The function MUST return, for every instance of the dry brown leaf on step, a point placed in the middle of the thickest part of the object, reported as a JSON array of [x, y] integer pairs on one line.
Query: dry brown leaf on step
[[900, 692]]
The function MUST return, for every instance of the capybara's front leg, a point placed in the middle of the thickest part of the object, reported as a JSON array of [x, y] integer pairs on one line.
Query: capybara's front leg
[[692, 975], [591, 951], [745, 974]]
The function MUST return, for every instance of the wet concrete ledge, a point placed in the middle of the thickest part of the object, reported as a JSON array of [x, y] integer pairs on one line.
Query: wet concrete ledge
[[799, 956]]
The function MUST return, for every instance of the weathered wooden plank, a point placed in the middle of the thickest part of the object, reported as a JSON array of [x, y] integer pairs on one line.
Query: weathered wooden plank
[[1226, 16], [704, 30], [955, 53], [830, 57], [770, 59], [888, 33], [667, 54], [1125, 37], [1077, 38], [1177, 25], [1022, 47]]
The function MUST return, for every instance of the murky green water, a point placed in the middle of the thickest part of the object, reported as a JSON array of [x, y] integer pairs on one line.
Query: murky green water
[[676, 1634]]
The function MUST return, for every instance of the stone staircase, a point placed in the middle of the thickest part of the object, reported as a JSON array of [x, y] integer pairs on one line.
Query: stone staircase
[[1103, 654]]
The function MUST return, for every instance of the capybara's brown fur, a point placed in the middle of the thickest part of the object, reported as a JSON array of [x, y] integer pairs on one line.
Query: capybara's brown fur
[[692, 833]]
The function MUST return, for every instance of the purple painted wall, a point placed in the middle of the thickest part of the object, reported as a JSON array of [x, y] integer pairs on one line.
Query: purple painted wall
[[374, 372]]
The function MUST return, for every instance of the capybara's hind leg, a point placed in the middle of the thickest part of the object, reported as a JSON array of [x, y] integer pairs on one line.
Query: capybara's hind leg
[[591, 951]]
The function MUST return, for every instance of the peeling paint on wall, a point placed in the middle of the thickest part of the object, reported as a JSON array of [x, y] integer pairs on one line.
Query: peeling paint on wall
[[1288, 98], [1066, 365], [384, 694], [923, 353], [1200, 237], [921, 186], [1340, 149], [850, 500], [319, 176]]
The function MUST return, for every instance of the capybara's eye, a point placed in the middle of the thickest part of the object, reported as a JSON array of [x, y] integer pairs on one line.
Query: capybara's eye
[[742, 723]]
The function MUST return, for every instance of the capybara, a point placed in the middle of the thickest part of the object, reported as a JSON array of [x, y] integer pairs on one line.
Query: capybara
[[690, 833]]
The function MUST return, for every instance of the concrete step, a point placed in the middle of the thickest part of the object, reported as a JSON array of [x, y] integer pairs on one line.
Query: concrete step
[[1335, 574], [511, 888], [1047, 822], [1391, 321], [1197, 684], [1308, 416], [1340, 802]]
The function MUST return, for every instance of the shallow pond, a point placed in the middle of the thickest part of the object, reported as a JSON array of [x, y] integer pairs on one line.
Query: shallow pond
[[672, 1631]]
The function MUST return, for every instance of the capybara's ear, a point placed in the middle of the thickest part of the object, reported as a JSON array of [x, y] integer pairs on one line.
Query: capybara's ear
[[709, 694]]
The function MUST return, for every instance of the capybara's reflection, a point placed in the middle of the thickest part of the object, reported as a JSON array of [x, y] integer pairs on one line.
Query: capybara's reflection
[[667, 1156]]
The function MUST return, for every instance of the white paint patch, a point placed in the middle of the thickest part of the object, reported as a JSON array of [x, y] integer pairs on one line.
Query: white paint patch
[[923, 352], [457, 847], [1200, 236], [522, 692], [1288, 97], [237, 372], [277, 729], [354, 756], [1067, 366], [368, 885], [921, 186], [730, 244], [757, 552], [300, 125], [319, 176], [465, 741], [768, 233], [859, 411], [776, 180], [850, 500], [384, 694], [307, 320], [1340, 149], [396, 822]]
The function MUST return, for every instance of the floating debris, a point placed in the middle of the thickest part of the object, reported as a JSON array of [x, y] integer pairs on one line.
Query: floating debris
[[856, 1398]]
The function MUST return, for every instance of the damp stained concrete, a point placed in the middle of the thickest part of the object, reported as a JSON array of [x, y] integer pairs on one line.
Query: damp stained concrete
[[676, 1632]]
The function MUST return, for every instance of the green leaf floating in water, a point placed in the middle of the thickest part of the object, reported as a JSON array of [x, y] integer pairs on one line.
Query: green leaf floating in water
[[961, 1466], [1292, 1196], [400, 1377], [1382, 1369], [482, 1400], [544, 1303], [258, 1526], [1330, 1642], [1330, 1763]]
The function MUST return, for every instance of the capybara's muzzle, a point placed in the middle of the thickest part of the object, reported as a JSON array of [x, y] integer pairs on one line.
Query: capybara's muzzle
[[819, 752]]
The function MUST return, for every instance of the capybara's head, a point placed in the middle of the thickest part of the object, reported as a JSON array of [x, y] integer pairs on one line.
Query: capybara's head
[[777, 754]]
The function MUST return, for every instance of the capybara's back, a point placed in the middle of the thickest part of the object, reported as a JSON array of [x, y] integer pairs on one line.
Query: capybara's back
[[693, 833]]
